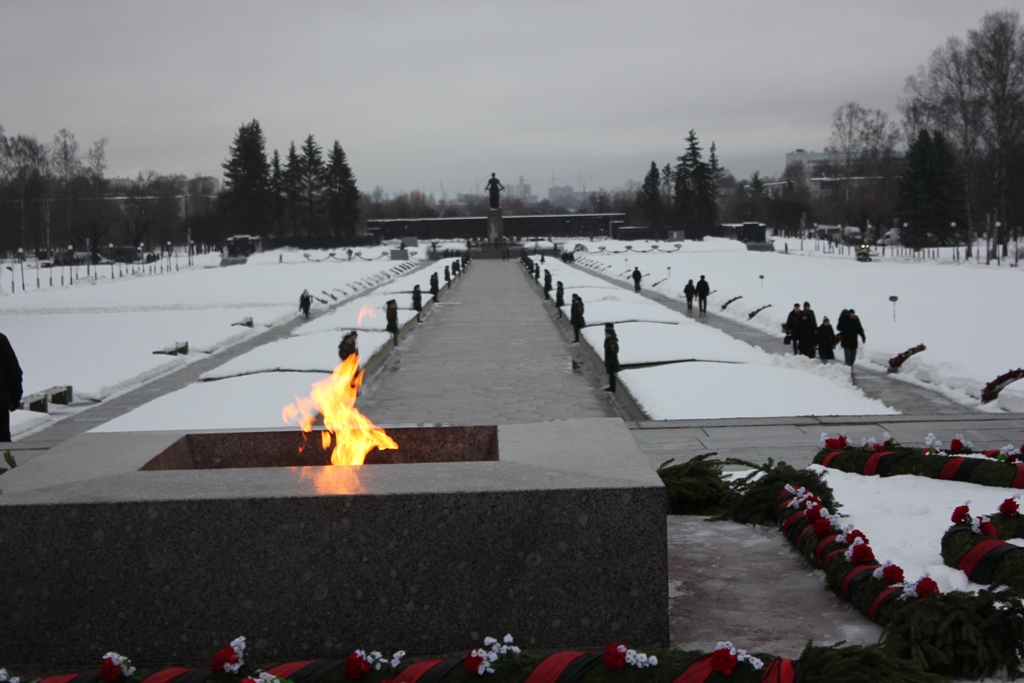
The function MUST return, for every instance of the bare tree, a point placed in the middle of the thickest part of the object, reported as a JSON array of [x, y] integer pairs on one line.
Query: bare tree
[[67, 166]]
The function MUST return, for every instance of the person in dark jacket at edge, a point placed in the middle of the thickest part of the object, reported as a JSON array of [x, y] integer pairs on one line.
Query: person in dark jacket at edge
[[611, 355], [10, 386], [810, 313], [851, 330], [547, 283], [826, 341], [348, 345], [435, 288], [391, 312], [559, 297], [447, 276], [576, 316], [690, 291], [637, 276], [417, 301], [305, 301]]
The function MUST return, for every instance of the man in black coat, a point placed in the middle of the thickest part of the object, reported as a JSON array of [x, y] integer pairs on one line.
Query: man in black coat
[[417, 301], [792, 328], [10, 386], [559, 297], [611, 355], [807, 334], [435, 288], [547, 283], [637, 276], [703, 290], [348, 345], [576, 316], [851, 330], [689, 290], [391, 313]]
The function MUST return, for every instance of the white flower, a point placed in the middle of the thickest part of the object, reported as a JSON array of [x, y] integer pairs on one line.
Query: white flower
[[508, 639], [238, 644], [886, 436], [821, 444], [652, 660], [870, 441], [4, 678], [879, 571], [930, 439], [488, 641]]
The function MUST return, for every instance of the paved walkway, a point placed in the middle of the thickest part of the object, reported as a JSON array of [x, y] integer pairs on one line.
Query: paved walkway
[[488, 354]]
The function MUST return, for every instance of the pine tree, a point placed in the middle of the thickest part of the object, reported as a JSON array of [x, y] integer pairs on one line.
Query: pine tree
[[277, 198], [311, 183], [715, 172], [341, 194], [292, 191], [246, 199], [931, 193], [694, 197], [649, 197]]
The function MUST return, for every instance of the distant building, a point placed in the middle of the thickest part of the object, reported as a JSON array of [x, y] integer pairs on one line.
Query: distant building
[[804, 165], [565, 197]]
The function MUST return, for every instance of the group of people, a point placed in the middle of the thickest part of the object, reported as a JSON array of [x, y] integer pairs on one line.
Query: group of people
[[701, 290], [807, 337]]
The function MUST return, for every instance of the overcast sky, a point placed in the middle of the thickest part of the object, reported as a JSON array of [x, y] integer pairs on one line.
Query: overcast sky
[[424, 93]]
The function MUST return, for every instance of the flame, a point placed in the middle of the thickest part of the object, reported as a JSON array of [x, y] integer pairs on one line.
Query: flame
[[367, 311], [334, 398], [336, 480]]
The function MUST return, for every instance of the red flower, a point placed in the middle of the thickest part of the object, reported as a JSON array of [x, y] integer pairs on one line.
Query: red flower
[[225, 655], [955, 446], [723, 662], [472, 661], [988, 529], [926, 587], [836, 442], [1009, 507], [856, 533], [356, 665], [1011, 458], [892, 574], [822, 528], [110, 671], [878, 447], [613, 659], [862, 553], [813, 514], [961, 515]]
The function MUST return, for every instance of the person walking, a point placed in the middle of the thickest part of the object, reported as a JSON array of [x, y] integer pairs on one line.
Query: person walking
[[791, 328], [637, 276], [447, 276], [807, 334], [611, 355], [852, 329], [810, 313], [547, 283], [417, 301], [435, 288], [391, 313], [10, 386], [689, 291], [703, 290], [305, 301], [348, 345], [826, 341], [559, 297], [576, 316]]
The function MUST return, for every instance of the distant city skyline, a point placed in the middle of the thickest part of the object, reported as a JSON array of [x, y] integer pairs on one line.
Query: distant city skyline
[[436, 96]]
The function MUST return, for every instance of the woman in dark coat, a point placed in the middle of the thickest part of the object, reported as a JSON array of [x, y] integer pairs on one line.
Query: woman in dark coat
[[10, 386], [807, 334], [547, 283], [559, 297], [826, 342], [576, 316], [690, 291], [391, 313], [417, 301], [434, 288], [348, 345]]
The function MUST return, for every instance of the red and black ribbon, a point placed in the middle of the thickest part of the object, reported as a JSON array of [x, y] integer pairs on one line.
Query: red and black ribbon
[[889, 459], [855, 577], [700, 672], [91, 677], [430, 671], [308, 671], [958, 468], [783, 670], [827, 460], [824, 545], [981, 561], [883, 598], [179, 674], [563, 667], [783, 500], [1018, 476]]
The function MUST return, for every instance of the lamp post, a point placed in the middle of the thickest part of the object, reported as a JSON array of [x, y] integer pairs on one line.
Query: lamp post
[[168, 256], [70, 258], [894, 299], [956, 253], [21, 257], [111, 260], [995, 243], [762, 280]]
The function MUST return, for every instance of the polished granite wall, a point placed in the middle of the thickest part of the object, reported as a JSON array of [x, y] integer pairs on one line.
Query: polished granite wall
[[560, 542]]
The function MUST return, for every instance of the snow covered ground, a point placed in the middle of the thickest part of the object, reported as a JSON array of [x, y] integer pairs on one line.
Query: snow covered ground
[[957, 309]]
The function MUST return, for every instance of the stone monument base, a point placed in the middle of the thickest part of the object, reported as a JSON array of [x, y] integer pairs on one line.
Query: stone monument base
[[495, 229]]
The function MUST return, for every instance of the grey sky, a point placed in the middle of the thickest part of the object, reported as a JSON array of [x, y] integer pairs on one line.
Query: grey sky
[[420, 93]]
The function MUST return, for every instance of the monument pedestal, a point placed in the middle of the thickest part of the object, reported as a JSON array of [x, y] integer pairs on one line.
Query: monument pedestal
[[495, 229]]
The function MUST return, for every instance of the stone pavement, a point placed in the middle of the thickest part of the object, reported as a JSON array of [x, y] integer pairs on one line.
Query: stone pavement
[[488, 354]]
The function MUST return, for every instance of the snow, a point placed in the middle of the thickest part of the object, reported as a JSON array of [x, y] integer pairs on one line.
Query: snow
[[956, 309], [316, 352], [658, 343]]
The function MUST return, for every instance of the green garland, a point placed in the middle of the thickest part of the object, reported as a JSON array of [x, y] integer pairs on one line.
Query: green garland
[[694, 487], [986, 472], [755, 495]]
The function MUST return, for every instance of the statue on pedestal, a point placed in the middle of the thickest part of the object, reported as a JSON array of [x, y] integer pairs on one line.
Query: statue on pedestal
[[494, 188]]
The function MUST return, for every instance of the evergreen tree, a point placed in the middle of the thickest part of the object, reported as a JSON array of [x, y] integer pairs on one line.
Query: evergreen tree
[[931, 196], [694, 193], [668, 184], [311, 183], [341, 194], [292, 188], [716, 173], [649, 197], [277, 197], [246, 199]]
